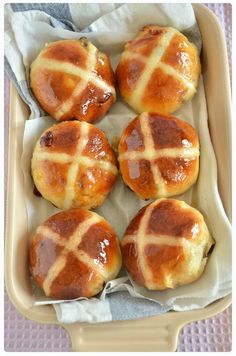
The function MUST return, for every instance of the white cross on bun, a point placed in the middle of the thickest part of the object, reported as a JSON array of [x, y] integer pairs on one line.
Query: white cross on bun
[[158, 70], [73, 165], [166, 245], [71, 79], [159, 156], [73, 254]]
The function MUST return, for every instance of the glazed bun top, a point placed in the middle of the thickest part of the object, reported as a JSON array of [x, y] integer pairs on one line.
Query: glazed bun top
[[72, 79], [73, 254], [73, 165], [159, 70], [159, 155], [166, 245]]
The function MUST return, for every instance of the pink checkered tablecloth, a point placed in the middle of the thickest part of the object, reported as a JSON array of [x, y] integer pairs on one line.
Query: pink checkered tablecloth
[[213, 334]]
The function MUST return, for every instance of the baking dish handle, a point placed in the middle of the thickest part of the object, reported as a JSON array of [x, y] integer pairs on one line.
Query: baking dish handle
[[158, 333], [149, 334]]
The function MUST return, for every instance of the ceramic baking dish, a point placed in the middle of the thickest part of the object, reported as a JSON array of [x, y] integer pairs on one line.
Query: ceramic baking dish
[[158, 333]]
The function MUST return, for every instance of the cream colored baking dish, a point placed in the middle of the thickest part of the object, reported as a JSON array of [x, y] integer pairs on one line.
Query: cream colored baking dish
[[158, 333]]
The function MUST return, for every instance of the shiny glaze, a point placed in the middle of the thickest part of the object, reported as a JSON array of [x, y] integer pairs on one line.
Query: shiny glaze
[[72, 51], [65, 223], [133, 226], [92, 183], [168, 132], [92, 186], [92, 102], [63, 138], [130, 260], [54, 86], [170, 249], [43, 253], [103, 68], [128, 73], [168, 218], [52, 177], [76, 278], [177, 171], [182, 56], [163, 260], [98, 146], [165, 91], [100, 243], [146, 40], [138, 176], [132, 137]]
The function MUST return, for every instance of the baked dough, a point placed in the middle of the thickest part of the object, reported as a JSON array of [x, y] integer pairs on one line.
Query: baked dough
[[166, 245], [73, 165], [159, 70], [73, 254], [71, 79], [159, 156]]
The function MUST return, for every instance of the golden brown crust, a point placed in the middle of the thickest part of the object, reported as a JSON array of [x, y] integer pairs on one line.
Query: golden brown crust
[[178, 173], [159, 155], [132, 138], [162, 259], [48, 252], [66, 222], [163, 93], [168, 218], [147, 39], [138, 176], [158, 70], [129, 253], [128, 74], [73, 165], [166, 245], [71, 51], [170, 132], [73, 254], [175, 55], [71, 79], [75, 280]]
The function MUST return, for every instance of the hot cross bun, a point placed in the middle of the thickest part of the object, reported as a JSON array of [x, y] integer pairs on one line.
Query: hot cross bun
[[158, 70], [73, 254], [71, 79], [159, 156], [166, 245], [73, 165]]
